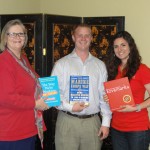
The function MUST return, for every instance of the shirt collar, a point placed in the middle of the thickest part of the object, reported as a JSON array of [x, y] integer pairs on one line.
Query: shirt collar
[[74, 54]]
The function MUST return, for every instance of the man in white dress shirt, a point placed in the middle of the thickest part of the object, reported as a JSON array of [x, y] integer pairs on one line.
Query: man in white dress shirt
[[78, 125]]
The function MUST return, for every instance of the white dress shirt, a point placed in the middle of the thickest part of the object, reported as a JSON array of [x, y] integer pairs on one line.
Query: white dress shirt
[[72, 65]]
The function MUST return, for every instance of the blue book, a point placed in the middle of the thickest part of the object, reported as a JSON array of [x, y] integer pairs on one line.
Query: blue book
[[51, 90], [79, 89]]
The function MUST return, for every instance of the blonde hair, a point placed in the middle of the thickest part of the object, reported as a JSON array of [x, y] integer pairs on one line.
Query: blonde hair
[[80, 25], [8, 25]]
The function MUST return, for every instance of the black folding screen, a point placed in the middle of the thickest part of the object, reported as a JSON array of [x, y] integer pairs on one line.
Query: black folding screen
[[58, 40], [50, 36], [58, 35], [50, 39]]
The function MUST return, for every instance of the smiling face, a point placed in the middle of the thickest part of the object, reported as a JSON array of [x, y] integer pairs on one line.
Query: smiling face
[[121, 49], [82, 38], [14, 41]]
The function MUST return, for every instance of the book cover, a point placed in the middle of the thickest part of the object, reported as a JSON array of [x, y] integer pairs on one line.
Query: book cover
[[119, 93], [79, 89], [51, 90]]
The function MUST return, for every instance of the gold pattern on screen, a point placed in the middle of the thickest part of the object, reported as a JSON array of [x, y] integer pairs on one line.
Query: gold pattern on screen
[[63, 43], [29, 50]]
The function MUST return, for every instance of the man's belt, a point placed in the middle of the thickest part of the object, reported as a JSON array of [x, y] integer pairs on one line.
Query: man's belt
[[80, 116]]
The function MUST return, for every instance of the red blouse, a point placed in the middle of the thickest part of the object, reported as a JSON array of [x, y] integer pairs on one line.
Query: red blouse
[[134, 121]]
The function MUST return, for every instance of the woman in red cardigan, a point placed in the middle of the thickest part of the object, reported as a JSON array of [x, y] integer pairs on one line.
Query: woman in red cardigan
[[20, 95]]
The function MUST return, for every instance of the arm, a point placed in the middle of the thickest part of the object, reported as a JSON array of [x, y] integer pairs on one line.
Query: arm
[[105, 110], [145, 104], [106, 118], [10, 95], [17, 87], [60, 70]]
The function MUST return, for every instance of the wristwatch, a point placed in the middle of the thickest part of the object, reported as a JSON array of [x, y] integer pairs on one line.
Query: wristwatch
[[138, 108]]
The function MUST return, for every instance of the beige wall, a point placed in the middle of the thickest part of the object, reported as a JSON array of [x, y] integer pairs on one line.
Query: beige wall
[[137, 20], [19, 6]]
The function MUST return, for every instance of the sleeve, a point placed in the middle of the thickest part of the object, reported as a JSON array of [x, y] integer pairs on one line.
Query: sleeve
[[145, 74], [58, 70], [104, 107], [9, 96]]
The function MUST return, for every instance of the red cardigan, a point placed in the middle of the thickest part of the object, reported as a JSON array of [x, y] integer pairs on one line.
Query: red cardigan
[[17, 102]]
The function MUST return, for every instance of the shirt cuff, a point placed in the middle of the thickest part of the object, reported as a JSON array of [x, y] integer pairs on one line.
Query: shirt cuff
[[106, 121], [66, 107]]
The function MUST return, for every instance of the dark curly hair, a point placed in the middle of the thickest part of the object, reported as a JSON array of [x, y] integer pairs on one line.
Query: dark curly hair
[[134, 60]]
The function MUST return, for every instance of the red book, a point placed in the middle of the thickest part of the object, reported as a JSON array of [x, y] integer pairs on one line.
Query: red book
[[119, 93]]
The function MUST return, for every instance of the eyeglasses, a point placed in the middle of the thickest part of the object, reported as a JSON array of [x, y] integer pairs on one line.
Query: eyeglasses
[[14, 35]]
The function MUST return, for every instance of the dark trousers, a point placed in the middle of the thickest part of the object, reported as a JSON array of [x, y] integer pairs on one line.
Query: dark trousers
[[137, 140], [25, 144]]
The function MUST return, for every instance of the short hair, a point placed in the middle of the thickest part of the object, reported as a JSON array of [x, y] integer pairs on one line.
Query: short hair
[[80, 25], [5, 31]]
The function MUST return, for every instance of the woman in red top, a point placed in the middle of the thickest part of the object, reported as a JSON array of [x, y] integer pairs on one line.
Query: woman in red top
[[20, 92], [130, 130]]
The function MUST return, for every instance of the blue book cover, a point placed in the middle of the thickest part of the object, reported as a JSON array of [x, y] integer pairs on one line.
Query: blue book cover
[[51, 90], [79, 89]]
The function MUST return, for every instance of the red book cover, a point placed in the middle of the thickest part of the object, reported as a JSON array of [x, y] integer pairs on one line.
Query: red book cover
[[119, 93]]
